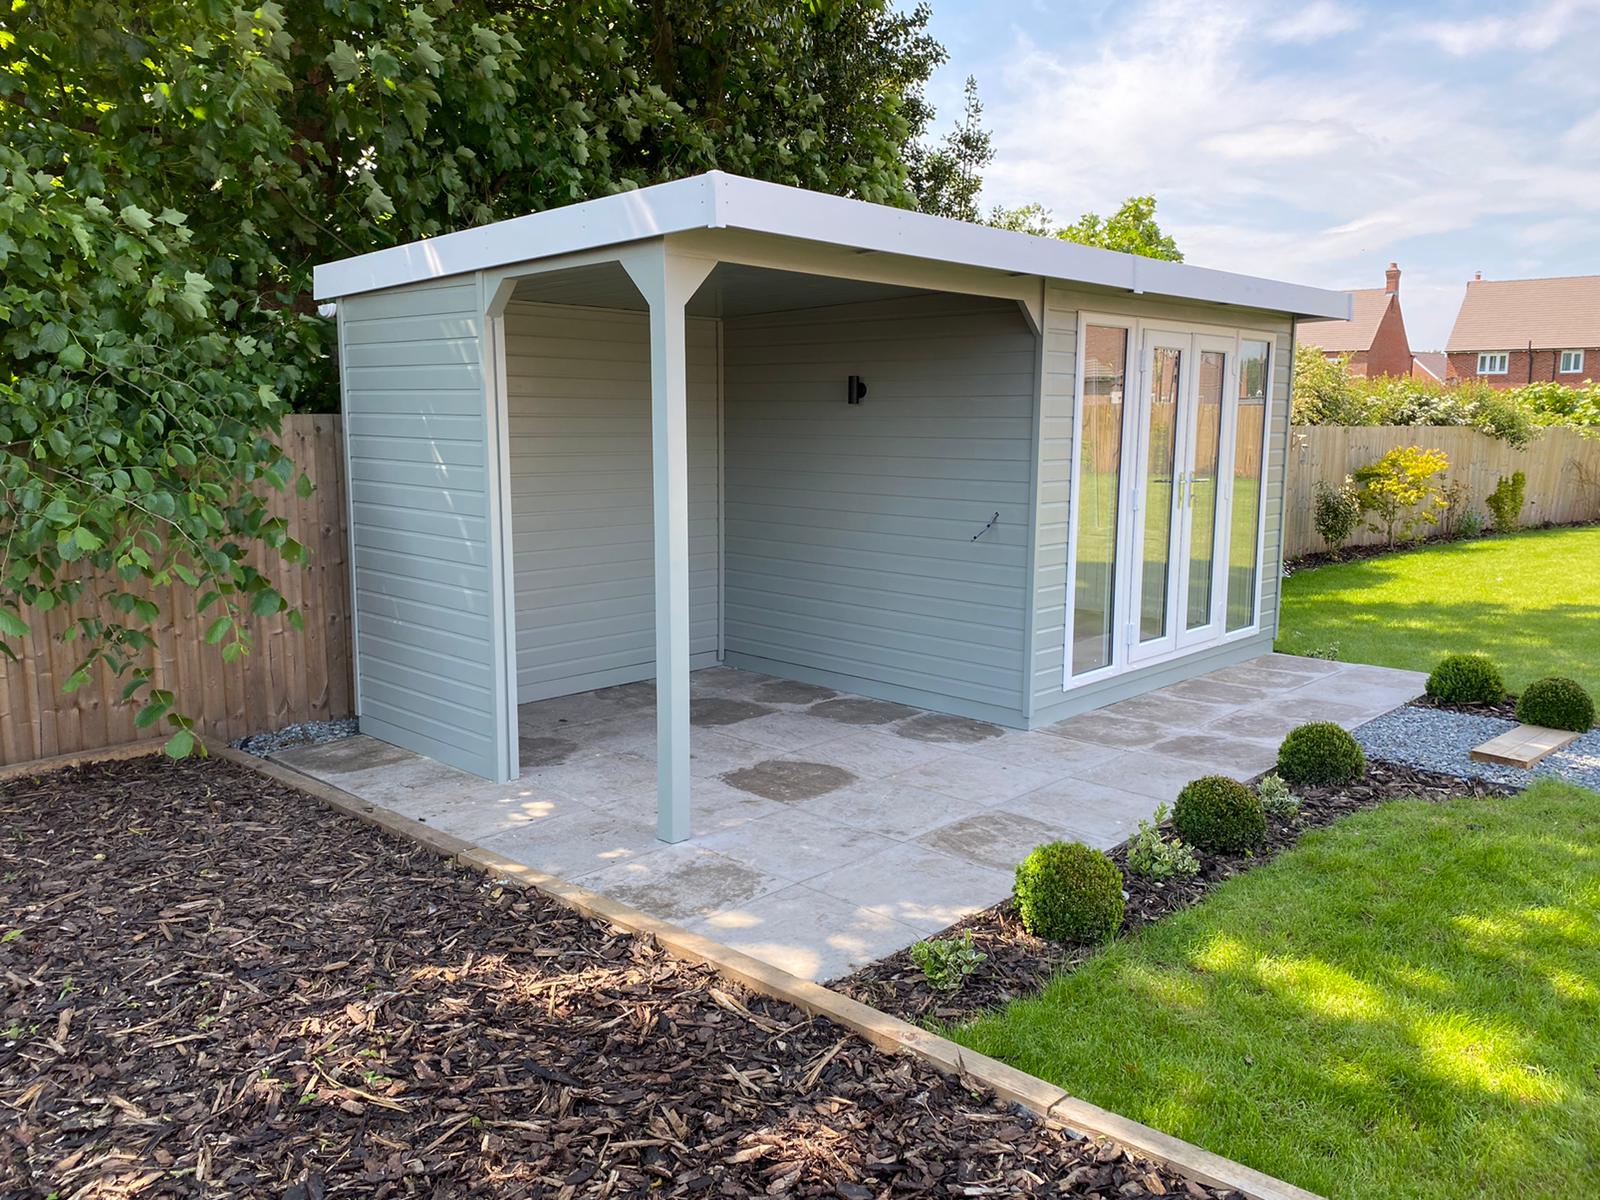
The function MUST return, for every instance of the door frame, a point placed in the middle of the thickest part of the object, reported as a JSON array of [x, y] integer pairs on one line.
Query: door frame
[[1129, 531]]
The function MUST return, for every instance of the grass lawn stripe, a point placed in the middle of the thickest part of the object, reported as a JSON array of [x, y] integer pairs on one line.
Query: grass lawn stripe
[[1407, 1004]]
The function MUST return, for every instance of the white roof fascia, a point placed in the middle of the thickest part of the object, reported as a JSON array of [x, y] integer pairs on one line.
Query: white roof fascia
[[717, 200]]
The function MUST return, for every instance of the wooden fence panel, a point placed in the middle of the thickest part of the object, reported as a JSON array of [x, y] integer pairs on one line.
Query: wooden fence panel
[[288, 676], [1561, 465]]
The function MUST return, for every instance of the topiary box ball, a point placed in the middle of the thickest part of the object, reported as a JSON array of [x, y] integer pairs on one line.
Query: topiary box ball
[[1320, 754], [1068, 892], [1219, 814], [1556, 702], [1466, 679]]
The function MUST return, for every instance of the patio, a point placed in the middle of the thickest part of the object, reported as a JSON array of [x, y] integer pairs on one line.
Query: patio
[[832, 829]]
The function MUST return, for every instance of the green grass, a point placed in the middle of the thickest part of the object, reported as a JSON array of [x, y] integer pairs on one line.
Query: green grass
[[1531, 601], [1407, 1004]]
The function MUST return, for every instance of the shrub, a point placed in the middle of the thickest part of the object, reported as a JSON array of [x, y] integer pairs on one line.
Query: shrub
[[1556, 703], [1336, 513], [947, 963], [1276, 798], [1068, 892], [1154, 857], [1466, 679], [1470, 525], [1319, 754], [1399, 491], [1219, 814], [1505, 502]]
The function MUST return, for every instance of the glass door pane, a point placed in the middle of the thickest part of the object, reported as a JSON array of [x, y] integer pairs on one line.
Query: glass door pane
[[1249, 453], [1160, 457], [1095, 505], [1199, 495]]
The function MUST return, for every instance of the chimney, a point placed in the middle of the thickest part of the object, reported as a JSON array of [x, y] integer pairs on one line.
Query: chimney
[[1477, 277], [1391, 279]]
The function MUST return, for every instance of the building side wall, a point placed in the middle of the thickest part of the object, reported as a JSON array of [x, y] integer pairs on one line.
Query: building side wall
[[1050, 700], [1523, 367], [578, 381], [1390, 352], [420, 481], [860, 549]]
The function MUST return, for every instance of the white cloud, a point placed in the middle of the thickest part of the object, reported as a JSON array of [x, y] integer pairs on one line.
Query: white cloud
[[1314, 22], [1538, 27], [1296, 161]]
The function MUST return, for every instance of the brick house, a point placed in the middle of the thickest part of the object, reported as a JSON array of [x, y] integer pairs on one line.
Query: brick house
[[1515, 331], [1374, 337]]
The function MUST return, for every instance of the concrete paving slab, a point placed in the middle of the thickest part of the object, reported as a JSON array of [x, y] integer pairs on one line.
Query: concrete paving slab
[[1091, 812], [1212, 691], [986, 780], [859, 710], [997, 838], [599, 778], [1153, 775], [343, 757], [792, 693], [795, 844], [789, 779], [577, 843], [783, 927], [919, 887], [874, 754], [1211, 752], [712, 711], [715, 806], [892, 807], [715, 751], [1100, 728], [948, 730], [787, 730], [681, 882], [1169, 711], [1053, 754]]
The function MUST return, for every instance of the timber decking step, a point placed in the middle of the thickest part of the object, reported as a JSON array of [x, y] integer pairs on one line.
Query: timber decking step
[[1523, 746]]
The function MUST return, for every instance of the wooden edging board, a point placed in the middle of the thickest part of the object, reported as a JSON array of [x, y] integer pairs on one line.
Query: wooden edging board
[[1523, 746], [888, 1033]]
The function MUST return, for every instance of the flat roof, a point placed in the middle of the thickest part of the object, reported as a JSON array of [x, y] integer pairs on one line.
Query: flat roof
[[716, 200]]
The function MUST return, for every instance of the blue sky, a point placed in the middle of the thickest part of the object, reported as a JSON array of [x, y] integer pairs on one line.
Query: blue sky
[[1313, 142]]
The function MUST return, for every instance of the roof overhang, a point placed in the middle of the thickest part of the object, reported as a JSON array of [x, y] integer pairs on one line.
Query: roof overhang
[[720, 201]]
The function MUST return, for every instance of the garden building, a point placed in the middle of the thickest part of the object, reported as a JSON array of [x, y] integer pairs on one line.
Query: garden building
[[719, 421]]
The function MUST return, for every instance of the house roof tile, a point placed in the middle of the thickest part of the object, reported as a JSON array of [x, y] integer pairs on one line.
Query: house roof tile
[[1507, 314], [1348, 337]]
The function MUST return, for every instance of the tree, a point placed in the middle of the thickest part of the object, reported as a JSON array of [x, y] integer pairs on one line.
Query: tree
[[173, 169], [1132, 229], [947, 179]]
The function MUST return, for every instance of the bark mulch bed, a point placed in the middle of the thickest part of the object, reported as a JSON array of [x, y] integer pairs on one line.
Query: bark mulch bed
[[1505, 709], [214, 986], [1019, 964]]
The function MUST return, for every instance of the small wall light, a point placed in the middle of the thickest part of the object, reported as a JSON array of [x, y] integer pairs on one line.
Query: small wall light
[[854, 390]]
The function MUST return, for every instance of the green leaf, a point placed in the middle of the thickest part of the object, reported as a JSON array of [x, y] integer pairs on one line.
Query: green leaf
[[344, 62], [217, 630], [179, 745], [12, 625], [266, 603], [86, 539]]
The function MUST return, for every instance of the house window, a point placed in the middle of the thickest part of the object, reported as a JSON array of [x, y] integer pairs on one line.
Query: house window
[[1495, 363], [1571, 362]]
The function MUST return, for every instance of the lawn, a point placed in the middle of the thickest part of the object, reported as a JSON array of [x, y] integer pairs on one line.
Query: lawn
[[1530, 600], [1407, 1004]]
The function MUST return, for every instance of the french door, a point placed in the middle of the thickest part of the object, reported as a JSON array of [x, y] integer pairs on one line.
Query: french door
[[1151, 574]]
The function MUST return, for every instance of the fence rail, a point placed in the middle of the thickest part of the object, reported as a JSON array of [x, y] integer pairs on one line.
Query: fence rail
[[1562, 469], [288, 676]]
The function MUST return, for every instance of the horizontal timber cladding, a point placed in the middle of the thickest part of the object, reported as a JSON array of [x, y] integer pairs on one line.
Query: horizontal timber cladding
[[859, 542], [583, 538], [1050, 701], [419, 453]]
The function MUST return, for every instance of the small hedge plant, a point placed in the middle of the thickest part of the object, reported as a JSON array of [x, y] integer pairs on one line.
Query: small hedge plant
[[1219, 814], [1466, 679], [1556, 703], [1154, 856], [1068, 892], [1505, 502], [947, 963], [1276, 797], [1320, 754]]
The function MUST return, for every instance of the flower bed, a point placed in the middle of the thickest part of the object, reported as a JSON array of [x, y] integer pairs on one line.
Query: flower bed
[[1018, 963]]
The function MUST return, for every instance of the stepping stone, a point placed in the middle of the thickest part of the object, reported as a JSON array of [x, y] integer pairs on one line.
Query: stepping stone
[[1523, 746]]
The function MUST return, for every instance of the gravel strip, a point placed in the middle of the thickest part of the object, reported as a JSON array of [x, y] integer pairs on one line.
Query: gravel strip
[[307, 733], [1439, 740]]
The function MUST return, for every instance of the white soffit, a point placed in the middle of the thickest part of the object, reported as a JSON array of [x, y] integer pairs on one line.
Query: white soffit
[[716, 200]]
